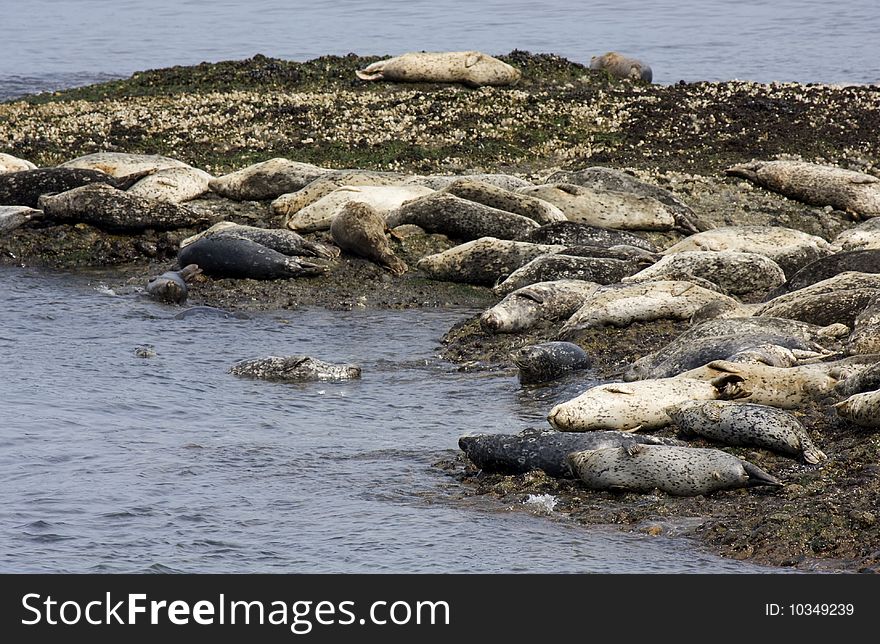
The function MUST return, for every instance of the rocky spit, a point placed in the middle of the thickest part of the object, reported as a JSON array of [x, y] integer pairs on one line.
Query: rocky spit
[[560, 116]]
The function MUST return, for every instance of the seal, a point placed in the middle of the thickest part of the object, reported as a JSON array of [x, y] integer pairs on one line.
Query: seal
[[291, 202], [680, 471], [171, 286], [557, 266], [746, 424], [791, 249], [772, 355], [548, 361], [266, 180], [838, 299], [865, 336], [120, 164], [320, 214], [360, 230], [294, 369], [26, 187], [440, 181], [460, 219], [861, 261], [621, 66], [572, 233], [865, 235], [173, 184], [483, 261], [9, 163], [736, 272], [815, 184], [231, 256], [638, 405], [112, 209], [543, 449], [210, 312], [785, 388], [11, 217], [619, 210], [861, 409], [487, 194], [285, 242], [472, 68], [527, 307], [644, 301]]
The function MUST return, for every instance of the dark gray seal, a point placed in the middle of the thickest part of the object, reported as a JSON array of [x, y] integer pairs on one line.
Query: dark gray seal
[[171, 286], [839, 299], [285, 241], [228, 256], [862, 261], [546, 268], [573, 233], [359, 229], [26, 187], [544, 449], [294, 369], [548, 361], [681, 471], [747, 424]]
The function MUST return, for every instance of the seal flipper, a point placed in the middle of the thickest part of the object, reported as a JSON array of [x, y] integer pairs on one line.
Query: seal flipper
[[188, 272], [729, 387], [757, 476], [372, 72], [126, 182]]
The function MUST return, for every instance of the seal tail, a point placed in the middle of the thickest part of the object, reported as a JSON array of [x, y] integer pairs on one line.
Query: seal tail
[[757, 476]]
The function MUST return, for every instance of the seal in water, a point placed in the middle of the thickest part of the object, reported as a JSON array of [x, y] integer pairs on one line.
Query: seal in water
[[529, 306], [229, 256], [637, 405], [680, 471], [294, 369], [558, 266], [816, 184], [26, 187], [737, 423], [360, 230], [107, 207], [459, 218], [120, 164], [266, 180], [173, 184], [861, 261], [472, 68], [544, 449], [483, 261], [862, 409], [11, 217], [572, 233], [622, 66], [285, 242], [171, 286], [487, 194], [9, 163], [548, 361], [210, 312]]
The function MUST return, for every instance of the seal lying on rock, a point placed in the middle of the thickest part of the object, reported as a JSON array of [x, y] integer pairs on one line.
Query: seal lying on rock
[[557, 266], [862, 261], [460, 219], [285, 242], [527, 307], [9, 163], [441, 181], [638, 405], [291, 202], [171, 286], [681, 471], [107, 207], [473, 68], [865, 235], [544, 449], [232, 256], [572, 233], [294, 369], [266, 180], [487, 194], [173, 184], [548, 361], [320, 214], [815, 184], [120, 164], [483, 261], [862, 409], [837, 299], [360, 230], [622, 66], [26, 187], [11, 217], [737, 423]]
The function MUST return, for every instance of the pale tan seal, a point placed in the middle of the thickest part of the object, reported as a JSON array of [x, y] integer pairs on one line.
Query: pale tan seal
[[622, 66], [320, 214], [9, 163], [527, 307], [487, 194], [120, 164], [291, 202], [862, 409], [472, 68], [11, 217], [174, 185], [266, 180], [360, 230]]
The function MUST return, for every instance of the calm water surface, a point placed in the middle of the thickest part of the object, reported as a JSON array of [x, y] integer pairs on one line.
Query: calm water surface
[[111, 462]]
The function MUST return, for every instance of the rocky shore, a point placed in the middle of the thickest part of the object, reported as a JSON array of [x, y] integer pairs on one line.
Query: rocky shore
[[221, 117]]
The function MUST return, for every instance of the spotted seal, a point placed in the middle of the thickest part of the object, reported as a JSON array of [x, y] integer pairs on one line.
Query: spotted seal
[[289, 203], [838, 299], [861, 261], [383, 199], [619, 210], [815, 184], [490, 195], [441, 181], [294, 369], [747, 424], [107, 207], [622, 66], [572, 233], [120, 164], [11, 217], [862, 409], [558, 266], [266, 180], [680, 471], [638, 405], [9, 163], [528, 306], [865, 235], [857, 383], [210, 312], [544, 449], [171, 286], [237, 257], [285, 242], [548, 361], [360, 230], [173, 184], [472, 68], [26, 187]]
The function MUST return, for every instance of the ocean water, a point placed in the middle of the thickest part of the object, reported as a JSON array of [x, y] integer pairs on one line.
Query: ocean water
[[51, 44]]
